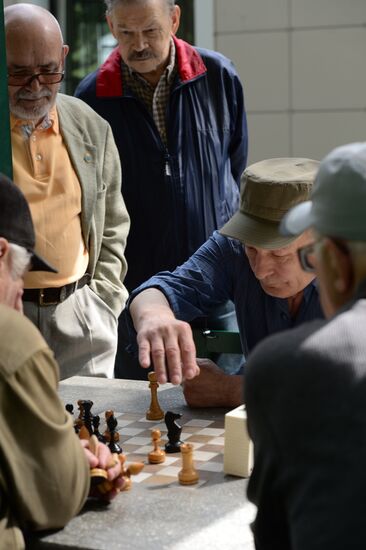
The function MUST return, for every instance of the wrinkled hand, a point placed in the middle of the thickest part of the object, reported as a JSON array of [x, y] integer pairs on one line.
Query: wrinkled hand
[[168, 344], [213, 388], [104, 459]]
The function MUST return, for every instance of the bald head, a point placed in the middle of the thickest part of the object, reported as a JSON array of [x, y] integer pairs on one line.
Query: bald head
[[28, 18], [34, 45]]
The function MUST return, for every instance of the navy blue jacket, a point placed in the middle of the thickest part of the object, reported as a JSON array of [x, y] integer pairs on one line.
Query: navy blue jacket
[[177, 195]]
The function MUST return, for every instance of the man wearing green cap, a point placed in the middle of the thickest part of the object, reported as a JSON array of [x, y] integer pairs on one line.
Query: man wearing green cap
[[306, 390], [257, 268]]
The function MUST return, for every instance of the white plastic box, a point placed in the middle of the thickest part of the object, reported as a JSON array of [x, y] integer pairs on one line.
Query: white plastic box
[[238, 450]]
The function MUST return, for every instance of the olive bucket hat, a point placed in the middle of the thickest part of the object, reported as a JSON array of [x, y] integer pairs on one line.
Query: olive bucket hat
[[269, 189]]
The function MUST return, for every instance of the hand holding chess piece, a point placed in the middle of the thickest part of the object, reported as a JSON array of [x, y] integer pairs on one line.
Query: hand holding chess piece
[[157, 455], [154, 412], [188, 474], [105, 470]]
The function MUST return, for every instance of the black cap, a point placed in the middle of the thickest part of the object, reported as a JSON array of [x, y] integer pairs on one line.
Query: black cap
[[16, 225]]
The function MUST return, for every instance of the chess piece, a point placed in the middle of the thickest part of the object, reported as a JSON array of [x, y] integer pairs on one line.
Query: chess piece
[[85, 415], [188, 474], [70, 409], [157, 455], [154, 412], [83, 432], [113, 435], [133, 469], [174, 431], [97, 475], [96, 432]]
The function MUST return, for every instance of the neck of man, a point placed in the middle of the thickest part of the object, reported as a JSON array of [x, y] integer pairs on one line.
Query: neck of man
[[294, 303], [153, 77]]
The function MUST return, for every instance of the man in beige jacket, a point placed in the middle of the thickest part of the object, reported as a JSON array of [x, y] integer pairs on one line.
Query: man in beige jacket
[[44, 467], [66, 163]]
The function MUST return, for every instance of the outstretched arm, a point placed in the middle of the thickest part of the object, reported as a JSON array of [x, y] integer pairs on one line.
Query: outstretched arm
[[162, 339]]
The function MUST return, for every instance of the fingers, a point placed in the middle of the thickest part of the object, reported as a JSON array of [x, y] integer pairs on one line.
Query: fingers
[[188, 356], [109, 462], [171, 349], [144, 352], [91, 458]]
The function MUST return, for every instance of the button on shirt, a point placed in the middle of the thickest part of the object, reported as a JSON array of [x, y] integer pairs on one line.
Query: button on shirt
[[220, 271]]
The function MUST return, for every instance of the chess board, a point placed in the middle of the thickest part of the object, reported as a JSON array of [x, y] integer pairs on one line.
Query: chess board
[[207, 437]]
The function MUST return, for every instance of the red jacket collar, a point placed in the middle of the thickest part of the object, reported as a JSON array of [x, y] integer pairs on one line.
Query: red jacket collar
[[109, 76]]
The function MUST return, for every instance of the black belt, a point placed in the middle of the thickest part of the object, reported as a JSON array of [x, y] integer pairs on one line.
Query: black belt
[[53, 295]]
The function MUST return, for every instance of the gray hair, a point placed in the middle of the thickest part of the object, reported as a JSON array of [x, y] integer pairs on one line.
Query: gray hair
[[111, 4], [19, 260]]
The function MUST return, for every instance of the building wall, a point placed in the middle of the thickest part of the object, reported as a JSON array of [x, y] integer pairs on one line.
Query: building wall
[[302, 64]]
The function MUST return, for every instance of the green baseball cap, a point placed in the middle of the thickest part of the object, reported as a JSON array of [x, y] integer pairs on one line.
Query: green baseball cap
[[338, 200], [269, 189]]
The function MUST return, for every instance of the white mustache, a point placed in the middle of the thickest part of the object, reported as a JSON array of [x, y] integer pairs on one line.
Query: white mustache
[[29, 95]]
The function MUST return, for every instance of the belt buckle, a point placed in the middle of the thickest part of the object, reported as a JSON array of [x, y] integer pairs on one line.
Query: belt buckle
[[41, 299]]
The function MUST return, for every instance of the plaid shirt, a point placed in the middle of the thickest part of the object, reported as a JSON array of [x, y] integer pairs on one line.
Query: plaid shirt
[[154, 98]]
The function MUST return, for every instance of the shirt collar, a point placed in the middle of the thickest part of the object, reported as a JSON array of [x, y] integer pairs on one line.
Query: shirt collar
[[309, 289], [49, 121]]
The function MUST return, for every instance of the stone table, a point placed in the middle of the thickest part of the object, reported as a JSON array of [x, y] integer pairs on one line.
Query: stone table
[[215, 515]]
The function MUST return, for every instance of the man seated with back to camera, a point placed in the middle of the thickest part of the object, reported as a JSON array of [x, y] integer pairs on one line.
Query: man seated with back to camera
[[44, 466], [256, 268], [306, 390]]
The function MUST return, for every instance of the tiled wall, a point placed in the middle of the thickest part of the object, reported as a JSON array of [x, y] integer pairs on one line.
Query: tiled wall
[[303, 67]]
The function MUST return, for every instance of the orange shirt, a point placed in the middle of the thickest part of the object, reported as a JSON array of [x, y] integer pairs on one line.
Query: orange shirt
[[44, 172]]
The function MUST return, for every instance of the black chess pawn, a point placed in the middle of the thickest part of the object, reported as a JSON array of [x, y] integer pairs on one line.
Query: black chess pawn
[[174, 431], [96, 432], [70, 409], [114, 447], [85, 415]]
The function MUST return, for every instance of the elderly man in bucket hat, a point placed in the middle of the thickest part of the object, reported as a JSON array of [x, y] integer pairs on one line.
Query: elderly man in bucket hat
[[306, 391], [257, 268]]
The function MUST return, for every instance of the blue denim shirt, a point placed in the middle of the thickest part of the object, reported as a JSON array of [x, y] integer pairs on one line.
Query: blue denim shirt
[[220, 271]]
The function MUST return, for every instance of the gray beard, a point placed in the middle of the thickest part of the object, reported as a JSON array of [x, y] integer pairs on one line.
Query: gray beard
[[35, 114]]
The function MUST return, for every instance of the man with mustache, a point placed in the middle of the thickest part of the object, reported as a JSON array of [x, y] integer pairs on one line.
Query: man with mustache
[[66, 163], [177, 115]]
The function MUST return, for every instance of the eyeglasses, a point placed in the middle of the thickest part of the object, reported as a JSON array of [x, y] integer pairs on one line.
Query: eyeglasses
[[306, 256], [306, 253], [27, 79]]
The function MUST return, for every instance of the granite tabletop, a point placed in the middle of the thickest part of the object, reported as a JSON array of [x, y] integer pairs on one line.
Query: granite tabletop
[[215, 515]]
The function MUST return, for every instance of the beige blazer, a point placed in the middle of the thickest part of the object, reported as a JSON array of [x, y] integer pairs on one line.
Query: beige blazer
[[105, 221]]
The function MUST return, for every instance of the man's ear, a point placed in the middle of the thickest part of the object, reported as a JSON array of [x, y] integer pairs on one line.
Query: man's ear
[[340, 268], [175, 19], [4, 250], [65, 50]]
